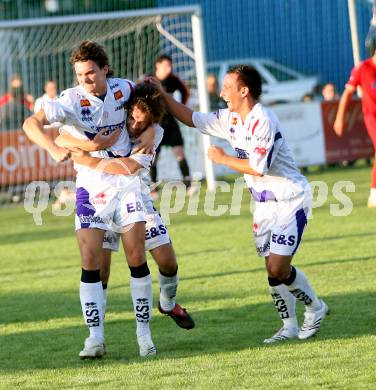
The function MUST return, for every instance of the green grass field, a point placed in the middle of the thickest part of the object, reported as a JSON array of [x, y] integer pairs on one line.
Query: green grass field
[[222, 283]]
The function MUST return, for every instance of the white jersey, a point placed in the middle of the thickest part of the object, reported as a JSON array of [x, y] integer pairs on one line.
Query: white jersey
[[84, 115], [39, 103], [146, 161], [260, 140]]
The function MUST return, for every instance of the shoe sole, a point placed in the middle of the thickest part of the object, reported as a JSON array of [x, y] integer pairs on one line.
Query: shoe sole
[[326, 313]]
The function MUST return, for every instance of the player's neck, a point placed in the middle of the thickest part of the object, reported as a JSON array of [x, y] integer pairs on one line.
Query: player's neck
[[246, 108]]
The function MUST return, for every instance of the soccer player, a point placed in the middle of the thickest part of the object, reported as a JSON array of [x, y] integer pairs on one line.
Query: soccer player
[[281, 193], [145, 107], [364, 76], [172, 136], [103, 201]]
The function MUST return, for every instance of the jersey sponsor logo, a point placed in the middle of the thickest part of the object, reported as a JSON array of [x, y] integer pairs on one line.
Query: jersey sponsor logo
[[263, 249], [242, 154], [110, 128], [85, 103], [132, 207], [283, 240], [259, 150], [100, 198], [155, 232], [301, 296], [118, 108], [234, 120], [88, 219], [118, 95]]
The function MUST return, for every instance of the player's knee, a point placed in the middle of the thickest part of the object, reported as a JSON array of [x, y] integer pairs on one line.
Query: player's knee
[[136, 256], [89, 257], [277, 271]]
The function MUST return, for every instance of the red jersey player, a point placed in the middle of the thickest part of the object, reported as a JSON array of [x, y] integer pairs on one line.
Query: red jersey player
[[363, 76]]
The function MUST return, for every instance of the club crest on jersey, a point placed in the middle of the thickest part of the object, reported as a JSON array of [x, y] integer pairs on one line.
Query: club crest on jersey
[[234, 120], [118, 95], [85, 103]]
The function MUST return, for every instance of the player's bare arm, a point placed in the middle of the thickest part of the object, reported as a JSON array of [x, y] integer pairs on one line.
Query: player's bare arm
[[219, 156], [120, 166], [100, 142], [178, 110], [33, 127], [339, 123]]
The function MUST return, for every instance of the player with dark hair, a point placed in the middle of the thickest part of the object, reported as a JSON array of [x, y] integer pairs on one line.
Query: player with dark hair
[[144, 108], [163, 71], [281, 193], [364, 76], [90, 111]]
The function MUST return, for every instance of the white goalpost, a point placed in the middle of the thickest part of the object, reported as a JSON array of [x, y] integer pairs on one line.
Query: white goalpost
[[38, 50]]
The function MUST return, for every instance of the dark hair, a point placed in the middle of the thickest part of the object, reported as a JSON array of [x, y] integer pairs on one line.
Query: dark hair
[[248, 77], [89, 50], [163, 57], [148, 99]]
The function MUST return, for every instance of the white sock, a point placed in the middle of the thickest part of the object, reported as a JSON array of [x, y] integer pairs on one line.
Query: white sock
[[373, 192], [168, 286], [142, 297], [284, 302], [104, 302], [91, 296], [303, 291]]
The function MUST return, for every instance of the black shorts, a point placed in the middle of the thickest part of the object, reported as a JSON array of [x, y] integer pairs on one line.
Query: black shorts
[[172, 135]]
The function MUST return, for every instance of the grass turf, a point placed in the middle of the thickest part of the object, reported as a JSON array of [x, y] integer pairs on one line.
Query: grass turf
[[222, 283]]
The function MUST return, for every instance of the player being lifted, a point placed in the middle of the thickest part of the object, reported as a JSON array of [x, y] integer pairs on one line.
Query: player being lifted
[[145, 107], [281, 193], [103, 201]]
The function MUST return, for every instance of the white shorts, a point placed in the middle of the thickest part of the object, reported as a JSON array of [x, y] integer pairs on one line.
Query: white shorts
[[278, 226], [156, 234], [108, 208]]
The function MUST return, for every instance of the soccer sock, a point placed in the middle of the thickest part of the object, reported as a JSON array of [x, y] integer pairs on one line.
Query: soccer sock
[[168, 285], [299, 286], [104, 285], [373, 176], [142, 297], [284, 302], [373, 190], [91, 296], [184, 169]]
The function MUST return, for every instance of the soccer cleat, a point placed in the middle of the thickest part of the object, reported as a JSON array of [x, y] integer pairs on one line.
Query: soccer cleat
[[179, 315], [282, 335], [146, 345], [371, 201], [93, 348], [312, 321]]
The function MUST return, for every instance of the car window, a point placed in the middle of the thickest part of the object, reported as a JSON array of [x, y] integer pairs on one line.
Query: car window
[[278, 74]]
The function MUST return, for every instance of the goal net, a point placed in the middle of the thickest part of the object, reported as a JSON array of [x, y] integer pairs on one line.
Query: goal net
[[34, 51]]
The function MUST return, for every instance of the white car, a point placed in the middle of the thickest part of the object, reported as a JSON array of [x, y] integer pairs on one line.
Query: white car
[[281, 84]]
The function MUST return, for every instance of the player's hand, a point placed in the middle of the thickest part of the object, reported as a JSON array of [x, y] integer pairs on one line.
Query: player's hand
[[78, 154], [145, 142], [102, 141], [338, 127], [60, 154], [217, 154], [154, 81]]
